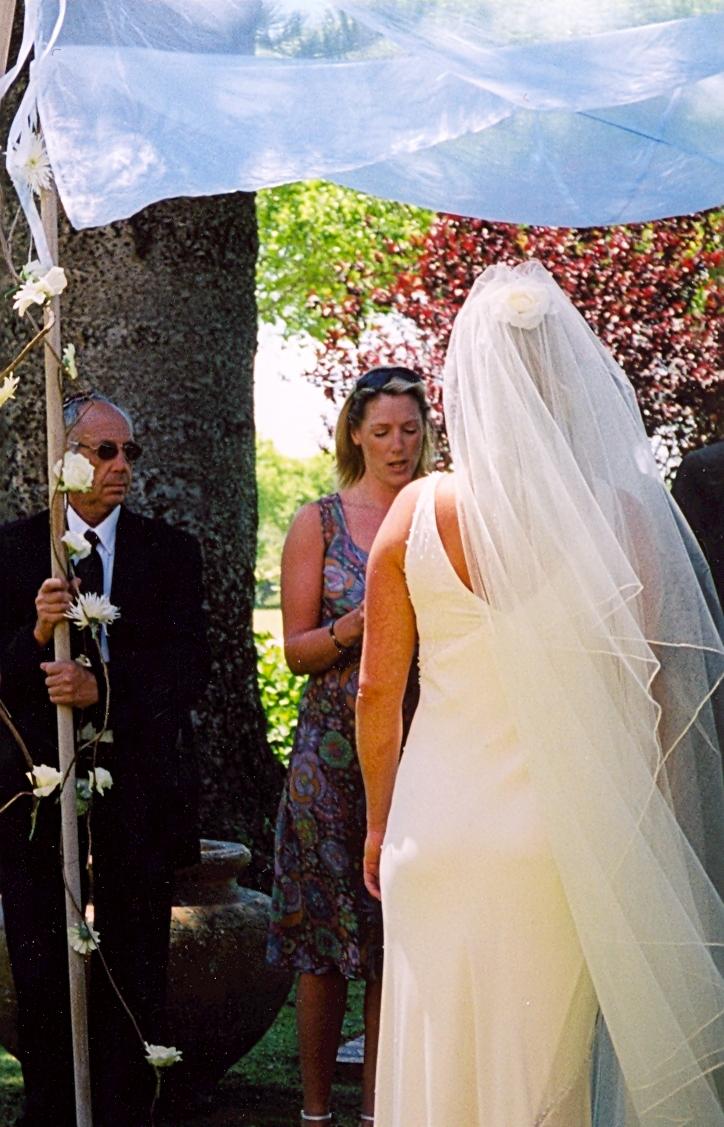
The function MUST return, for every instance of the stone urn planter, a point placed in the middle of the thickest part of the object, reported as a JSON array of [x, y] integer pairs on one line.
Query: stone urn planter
[[222, 996]]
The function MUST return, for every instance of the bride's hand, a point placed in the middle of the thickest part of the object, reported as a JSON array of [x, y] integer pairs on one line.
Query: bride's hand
[[371, 864]]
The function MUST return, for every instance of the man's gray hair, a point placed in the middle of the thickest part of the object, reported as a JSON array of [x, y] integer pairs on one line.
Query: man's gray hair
[[76, 405]]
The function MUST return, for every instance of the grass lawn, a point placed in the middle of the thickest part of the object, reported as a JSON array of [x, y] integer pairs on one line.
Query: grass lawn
[[262, 1090]]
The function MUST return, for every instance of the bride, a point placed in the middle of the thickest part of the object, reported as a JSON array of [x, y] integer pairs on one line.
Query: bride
[[546, 849]]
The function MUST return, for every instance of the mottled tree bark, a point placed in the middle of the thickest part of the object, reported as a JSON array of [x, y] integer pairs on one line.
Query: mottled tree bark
[[162, 312]]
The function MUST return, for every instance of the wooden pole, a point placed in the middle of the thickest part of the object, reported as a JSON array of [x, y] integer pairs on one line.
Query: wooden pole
[[7, 14], [66, 745]]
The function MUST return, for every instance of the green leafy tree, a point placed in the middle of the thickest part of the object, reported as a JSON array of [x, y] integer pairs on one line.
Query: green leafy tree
[[321, 245], [283, 485], [650, 291]]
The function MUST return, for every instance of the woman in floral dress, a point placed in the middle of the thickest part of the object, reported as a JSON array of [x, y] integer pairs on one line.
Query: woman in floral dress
[[324, 923]]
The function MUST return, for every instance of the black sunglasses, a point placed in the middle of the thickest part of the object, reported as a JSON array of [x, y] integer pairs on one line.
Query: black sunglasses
[[108, 450], [377, 378]]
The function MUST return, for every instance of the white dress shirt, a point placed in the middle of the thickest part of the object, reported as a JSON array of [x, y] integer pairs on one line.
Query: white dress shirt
[[106, 533]]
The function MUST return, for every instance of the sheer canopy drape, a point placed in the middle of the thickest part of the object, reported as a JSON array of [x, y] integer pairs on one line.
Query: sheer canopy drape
[[550, 112]]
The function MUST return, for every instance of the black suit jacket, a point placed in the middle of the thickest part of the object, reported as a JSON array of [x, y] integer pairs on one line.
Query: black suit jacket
[[699, 492], [158, 668]]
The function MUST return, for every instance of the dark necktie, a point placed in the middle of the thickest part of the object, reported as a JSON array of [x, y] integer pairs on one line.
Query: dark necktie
[[90, 569]]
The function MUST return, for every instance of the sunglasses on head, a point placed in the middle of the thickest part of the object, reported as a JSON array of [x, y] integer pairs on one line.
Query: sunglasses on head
[[108, 450], [377, 378]]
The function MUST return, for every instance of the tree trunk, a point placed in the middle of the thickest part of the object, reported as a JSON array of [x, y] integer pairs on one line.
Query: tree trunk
[[162, 312]]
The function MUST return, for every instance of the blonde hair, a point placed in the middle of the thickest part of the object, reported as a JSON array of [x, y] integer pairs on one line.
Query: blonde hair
[[349, 457]]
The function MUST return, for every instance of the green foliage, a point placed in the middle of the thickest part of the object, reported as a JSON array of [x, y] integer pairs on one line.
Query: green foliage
[[280, 692], [649, 291], [318, 242], [284, 484], [11, 1088]]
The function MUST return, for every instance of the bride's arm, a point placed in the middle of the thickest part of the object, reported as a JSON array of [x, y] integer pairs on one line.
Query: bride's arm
[[389, 644]]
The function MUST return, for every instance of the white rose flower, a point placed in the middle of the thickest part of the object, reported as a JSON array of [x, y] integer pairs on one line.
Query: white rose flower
[[83, 938], [93, 611], [523, 304], [8, 388], [74, 473], [53, 282], [76, 545], [100, 779], [44, 779], [29, 161], [38, 288], [162, 1056]]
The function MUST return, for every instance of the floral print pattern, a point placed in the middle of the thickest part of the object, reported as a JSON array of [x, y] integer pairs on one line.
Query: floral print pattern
[[322, 916]]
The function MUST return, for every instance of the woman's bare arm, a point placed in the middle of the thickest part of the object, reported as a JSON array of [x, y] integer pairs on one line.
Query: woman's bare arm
[[309, 647]]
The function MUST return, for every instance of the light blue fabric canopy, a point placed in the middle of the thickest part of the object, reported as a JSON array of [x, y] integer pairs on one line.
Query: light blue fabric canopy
[[554, 112]]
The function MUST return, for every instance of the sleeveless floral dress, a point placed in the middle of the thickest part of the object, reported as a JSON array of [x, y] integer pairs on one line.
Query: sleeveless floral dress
[[322, 917]]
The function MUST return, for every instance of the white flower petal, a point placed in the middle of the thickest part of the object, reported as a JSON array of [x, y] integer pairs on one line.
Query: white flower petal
[[75, 473], [83, 938], [31, 271], [523, 304], [92, 610], [162, 1056], [8, 388], [100, 779], [69, 364], [76, 545], [38, 288], [54, 281], [29, 161], [44, 779], [28, 294]]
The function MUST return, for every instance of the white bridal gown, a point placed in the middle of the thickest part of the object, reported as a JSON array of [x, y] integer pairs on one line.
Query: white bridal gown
[[487, 1010]]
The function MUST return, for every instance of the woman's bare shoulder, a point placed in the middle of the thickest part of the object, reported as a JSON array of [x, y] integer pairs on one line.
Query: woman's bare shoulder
[[306, 526]]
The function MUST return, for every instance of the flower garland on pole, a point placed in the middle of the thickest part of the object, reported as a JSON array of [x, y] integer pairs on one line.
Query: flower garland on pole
[[47, 292], [39, 285]]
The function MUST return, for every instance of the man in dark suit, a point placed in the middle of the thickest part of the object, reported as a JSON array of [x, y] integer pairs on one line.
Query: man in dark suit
[[144, 826], [699, 492]]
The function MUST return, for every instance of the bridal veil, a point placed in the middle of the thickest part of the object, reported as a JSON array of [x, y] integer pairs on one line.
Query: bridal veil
[[608, 639]]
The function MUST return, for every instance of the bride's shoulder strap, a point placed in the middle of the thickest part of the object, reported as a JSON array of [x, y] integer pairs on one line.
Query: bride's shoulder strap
[[423, 515]]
